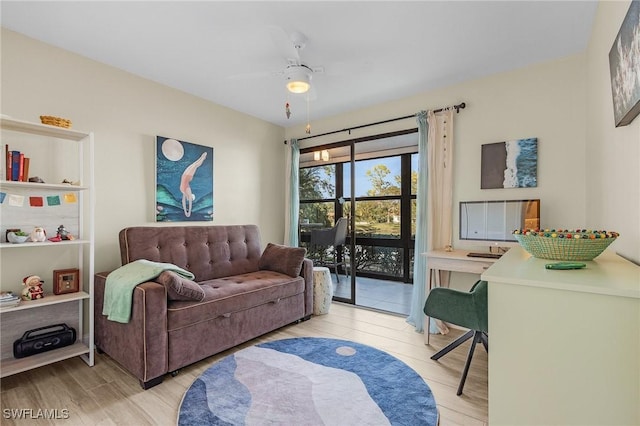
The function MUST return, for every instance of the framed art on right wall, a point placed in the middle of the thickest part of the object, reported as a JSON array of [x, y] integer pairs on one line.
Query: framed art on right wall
[[624, 65]]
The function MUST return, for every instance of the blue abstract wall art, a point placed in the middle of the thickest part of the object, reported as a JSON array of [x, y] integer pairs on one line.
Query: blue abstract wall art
[[510, 164]]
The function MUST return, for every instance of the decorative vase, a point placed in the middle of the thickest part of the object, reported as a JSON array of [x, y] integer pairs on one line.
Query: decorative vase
[[14, 238]]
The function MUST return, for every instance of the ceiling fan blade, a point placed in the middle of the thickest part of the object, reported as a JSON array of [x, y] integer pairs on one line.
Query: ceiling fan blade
[[256, 75], [289, 45], [347, 68]]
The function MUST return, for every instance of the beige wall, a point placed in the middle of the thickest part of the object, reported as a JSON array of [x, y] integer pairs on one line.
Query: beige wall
[[126, 113], [544, 101], [613, 154], [588, 171]]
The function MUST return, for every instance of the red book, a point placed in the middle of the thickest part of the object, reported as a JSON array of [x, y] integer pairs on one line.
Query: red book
[[7, 155], [21, 168]]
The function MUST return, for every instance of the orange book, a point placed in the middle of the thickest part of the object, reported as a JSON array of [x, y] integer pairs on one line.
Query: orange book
[[25, 175]]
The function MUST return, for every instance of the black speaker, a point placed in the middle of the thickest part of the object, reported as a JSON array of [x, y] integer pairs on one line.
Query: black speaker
[[44, 339]]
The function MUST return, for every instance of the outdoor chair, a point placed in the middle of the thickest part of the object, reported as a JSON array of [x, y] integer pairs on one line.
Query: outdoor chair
[[330, 237]]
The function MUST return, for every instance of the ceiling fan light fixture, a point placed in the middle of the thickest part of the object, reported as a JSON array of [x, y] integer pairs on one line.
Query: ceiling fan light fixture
[[298, 80], [298, 87]]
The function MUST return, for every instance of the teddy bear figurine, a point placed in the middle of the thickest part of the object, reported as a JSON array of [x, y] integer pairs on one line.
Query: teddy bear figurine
[[33, 288], [38, 234]]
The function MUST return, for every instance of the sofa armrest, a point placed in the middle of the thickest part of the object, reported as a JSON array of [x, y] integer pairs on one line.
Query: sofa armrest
[[307, 274], [141, 344]]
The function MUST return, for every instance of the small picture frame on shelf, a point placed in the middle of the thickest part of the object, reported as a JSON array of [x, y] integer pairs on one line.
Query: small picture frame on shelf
[[66, 281]]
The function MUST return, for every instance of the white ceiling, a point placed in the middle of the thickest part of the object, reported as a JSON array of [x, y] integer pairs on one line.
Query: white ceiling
[[372, 52]]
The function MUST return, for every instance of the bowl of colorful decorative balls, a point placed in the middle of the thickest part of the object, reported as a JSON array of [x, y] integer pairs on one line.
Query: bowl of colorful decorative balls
[[564, 244]]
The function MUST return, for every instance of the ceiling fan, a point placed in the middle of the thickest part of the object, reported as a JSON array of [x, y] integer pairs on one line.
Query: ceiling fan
[[297, 74]]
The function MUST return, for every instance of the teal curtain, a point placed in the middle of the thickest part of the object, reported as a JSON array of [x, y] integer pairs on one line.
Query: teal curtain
[[418, 297], [294, 194]]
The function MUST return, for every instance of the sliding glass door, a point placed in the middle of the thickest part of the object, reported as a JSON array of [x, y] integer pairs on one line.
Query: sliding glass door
[[371, 183], [322, 204]]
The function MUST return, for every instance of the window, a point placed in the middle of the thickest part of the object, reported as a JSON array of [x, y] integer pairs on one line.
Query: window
[[385, 185], [317, 182]]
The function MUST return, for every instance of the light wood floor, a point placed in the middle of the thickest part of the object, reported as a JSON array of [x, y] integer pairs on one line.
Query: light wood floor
[[106, 395]]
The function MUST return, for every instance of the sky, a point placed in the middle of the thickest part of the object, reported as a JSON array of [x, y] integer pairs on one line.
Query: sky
[[362, 181]]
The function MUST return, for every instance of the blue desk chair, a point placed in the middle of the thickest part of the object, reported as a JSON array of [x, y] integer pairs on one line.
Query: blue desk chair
[[465, 309]]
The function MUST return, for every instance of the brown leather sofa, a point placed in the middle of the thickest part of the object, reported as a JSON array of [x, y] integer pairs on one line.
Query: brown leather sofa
[[244, 297]]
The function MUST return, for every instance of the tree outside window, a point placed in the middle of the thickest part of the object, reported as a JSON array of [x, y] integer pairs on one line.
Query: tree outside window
[[380, 243]]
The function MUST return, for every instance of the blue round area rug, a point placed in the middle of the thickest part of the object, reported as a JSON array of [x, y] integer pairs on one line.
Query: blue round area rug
[[309, 381]]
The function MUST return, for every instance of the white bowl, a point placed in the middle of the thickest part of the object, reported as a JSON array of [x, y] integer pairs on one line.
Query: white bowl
[[16, 239]]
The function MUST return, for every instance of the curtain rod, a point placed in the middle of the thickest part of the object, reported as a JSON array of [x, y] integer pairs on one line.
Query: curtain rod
[[458, 107]]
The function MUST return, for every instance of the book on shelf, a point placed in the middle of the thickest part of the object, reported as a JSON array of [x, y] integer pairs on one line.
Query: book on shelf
[[21, 168], [8, 299], [25, 174], [7, 163], [6, 295], [17, 165]]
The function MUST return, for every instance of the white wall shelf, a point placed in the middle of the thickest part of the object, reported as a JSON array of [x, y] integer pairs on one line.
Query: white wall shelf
[[5, 184], [15, 366], [42, 129], [49, 300], [51, 244]]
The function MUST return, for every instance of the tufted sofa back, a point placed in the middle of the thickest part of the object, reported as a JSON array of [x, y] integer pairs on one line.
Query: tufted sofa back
[[209, 252]]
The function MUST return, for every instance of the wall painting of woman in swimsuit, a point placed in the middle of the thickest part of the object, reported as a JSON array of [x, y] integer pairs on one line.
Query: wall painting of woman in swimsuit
[[184, 181]]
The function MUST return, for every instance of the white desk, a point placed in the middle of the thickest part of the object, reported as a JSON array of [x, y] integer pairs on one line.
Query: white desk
[[453, 261], [565, 345]]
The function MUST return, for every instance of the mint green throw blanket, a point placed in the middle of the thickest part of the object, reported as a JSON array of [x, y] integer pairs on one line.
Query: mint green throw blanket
[[118, 291]]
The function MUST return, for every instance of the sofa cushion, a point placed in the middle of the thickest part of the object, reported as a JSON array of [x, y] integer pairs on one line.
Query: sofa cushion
[[283, 259], [225, 296], [180, 288], [208, 252]]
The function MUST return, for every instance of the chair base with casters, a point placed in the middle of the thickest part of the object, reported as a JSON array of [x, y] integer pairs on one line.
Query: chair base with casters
[[465, 309], [478, 336]]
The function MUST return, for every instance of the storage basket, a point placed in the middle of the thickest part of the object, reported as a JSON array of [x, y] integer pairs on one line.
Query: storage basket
[[565, 245], [55, 121]]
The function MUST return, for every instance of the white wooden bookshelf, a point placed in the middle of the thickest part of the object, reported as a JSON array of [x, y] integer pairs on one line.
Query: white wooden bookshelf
[[56, 154]]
